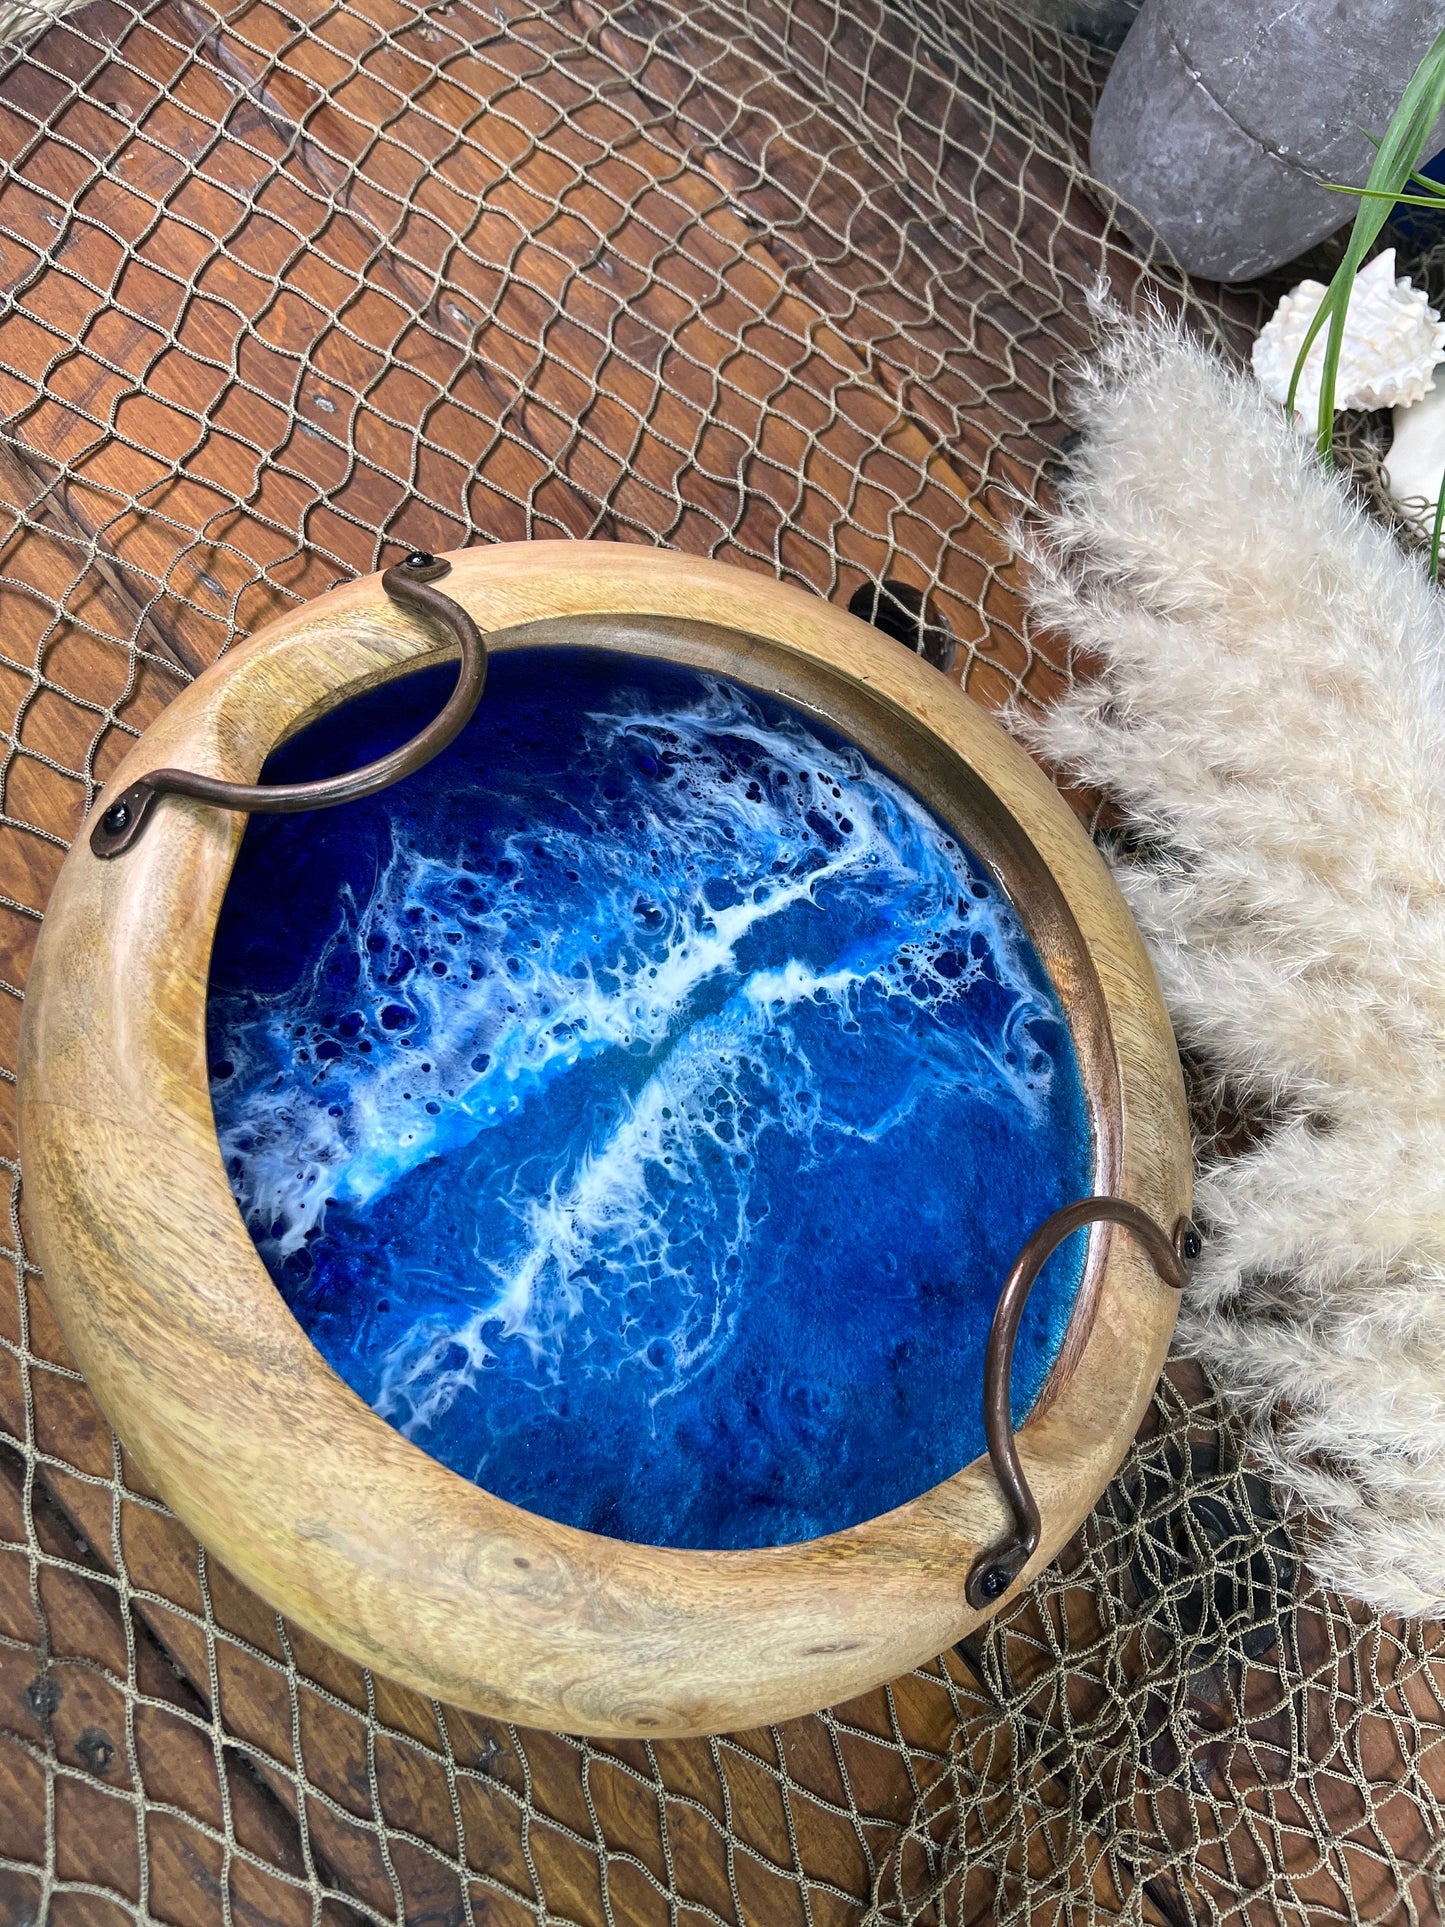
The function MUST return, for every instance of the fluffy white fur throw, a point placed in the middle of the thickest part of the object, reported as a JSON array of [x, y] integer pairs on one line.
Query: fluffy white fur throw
[[1271, 717]]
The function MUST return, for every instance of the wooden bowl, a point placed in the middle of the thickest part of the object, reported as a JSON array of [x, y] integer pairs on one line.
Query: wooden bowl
[[262, 1450]]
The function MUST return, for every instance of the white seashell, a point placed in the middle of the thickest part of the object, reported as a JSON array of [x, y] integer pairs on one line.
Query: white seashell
[[1415, 466], [1393, 340]]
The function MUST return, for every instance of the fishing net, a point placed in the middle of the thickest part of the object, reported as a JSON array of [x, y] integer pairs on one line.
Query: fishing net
[[287, 288]]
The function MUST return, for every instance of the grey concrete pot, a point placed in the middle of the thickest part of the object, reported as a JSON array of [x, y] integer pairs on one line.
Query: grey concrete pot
[[1222, 117], [1105, 22]]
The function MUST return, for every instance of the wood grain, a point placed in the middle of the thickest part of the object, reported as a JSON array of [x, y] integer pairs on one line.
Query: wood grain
[[619, 348], [99, 1699], [276, 1464]]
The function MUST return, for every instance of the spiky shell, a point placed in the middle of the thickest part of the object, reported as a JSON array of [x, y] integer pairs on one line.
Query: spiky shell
[[1393, 341]]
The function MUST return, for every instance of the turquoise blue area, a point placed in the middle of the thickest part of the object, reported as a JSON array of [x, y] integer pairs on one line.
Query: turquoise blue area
[[641, 1105]]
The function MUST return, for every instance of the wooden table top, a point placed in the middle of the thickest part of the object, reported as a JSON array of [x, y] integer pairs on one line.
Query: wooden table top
[[287, 291]]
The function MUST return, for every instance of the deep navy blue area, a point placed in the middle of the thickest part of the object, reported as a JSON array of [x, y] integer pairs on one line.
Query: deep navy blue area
[[641, 1105]]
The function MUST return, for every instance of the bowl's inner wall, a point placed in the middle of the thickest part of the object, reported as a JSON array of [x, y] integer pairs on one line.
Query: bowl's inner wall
[[641, 1105]]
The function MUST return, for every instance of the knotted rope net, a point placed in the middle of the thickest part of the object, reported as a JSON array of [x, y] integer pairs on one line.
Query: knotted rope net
[[285, 288]]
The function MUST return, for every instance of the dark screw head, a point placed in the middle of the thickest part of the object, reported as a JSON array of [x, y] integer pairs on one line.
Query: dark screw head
[[42, 1697], [419, 559], [116, 819], [1190, 1242], [96, 1748], [993, 1582]]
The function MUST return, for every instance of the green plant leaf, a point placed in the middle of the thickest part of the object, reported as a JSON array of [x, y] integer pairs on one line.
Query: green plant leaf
[[1435, 201], [1396, 158]]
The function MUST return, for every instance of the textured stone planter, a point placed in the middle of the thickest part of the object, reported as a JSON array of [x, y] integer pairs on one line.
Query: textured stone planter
[[1222, 119]]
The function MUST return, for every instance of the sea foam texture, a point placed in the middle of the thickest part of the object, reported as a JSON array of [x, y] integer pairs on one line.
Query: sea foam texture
[[734, 954]]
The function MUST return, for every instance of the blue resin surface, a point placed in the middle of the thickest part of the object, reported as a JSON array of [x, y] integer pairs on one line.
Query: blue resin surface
[[641, 1105]]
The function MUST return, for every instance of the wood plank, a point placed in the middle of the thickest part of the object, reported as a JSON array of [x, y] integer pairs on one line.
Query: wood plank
[[843, 448], [1245, 1774], [91, 1706], [634, 1790]]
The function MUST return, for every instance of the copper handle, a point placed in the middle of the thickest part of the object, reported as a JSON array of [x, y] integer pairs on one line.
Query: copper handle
[[408, 583], [998, 1565]]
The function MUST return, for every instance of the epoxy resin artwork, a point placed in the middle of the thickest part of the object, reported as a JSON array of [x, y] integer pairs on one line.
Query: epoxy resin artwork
[[641, 1105]]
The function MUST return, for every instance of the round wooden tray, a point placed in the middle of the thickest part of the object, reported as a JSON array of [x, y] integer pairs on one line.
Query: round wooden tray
[[278, 1466]]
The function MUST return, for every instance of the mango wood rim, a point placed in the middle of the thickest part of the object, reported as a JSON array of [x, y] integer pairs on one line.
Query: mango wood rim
[[271, 1460]]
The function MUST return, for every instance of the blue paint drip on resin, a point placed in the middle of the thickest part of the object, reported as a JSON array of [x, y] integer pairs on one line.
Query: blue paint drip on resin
[[641, 1106]]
